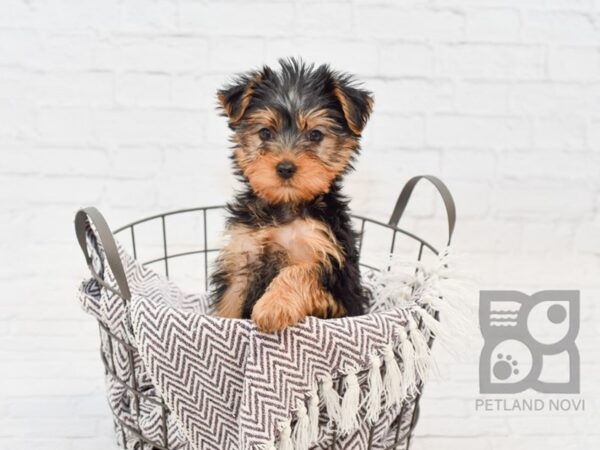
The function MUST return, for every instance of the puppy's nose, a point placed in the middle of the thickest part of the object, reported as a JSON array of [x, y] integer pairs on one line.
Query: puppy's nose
[[286, 169]]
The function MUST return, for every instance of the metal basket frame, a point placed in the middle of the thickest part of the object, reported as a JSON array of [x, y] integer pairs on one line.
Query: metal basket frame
[[401, 440]]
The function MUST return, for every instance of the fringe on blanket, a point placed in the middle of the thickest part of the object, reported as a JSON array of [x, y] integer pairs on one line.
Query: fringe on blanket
[[397, 371]]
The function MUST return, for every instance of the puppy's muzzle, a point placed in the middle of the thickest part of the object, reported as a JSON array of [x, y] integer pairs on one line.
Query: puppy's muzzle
[[286, 169]]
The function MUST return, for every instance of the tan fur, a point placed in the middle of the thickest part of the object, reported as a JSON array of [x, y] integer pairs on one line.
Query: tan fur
[[230, 305], [336, 152], [347, 108], [242, 248], [312, 177], [294, 294], [264, 118], [314, 119]]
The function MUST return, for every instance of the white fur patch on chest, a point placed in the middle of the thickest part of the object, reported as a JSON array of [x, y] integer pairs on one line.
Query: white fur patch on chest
[[306, 241], [295, 239]]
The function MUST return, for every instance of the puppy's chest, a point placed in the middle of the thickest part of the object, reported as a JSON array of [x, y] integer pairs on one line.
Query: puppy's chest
[[296, 240], [301, 241]]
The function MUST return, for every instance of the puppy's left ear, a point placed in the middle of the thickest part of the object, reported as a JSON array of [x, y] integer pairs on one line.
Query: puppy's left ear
[[235, 98], [356, 103]]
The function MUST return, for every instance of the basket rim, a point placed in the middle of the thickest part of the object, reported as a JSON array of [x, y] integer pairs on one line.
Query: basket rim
[[360, 217]]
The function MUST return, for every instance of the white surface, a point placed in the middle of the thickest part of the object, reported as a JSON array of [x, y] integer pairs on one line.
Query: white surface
[[111, 103]]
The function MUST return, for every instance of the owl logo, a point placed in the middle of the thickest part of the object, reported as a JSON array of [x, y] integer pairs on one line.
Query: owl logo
[[529, 342]]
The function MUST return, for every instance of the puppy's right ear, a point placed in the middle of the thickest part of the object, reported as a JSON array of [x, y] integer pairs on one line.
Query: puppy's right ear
[[235, 98]]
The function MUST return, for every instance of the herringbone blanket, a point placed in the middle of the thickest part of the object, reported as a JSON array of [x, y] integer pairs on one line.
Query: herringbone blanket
[[229, 386]]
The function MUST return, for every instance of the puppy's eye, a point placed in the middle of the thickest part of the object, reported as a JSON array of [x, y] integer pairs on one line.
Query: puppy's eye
[[265, 134], [315, 136]]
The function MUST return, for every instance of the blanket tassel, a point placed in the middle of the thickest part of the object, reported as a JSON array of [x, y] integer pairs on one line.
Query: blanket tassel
[[331, 399], [407, 352], [350, 404], [375, 388], [285, 438], [432, 324], [302, 428], [313, 415], [393, 378], [422, 351]]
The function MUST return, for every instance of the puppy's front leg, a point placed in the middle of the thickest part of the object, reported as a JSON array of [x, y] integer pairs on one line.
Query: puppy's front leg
[[294, 293]]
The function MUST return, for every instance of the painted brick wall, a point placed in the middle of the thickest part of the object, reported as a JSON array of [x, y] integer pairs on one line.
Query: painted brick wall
[[111, 103]]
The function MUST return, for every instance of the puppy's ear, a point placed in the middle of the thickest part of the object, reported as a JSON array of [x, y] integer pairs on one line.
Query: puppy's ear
[[356, 103], [235, 98]]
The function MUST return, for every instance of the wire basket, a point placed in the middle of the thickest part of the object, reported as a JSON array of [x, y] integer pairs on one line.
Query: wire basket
[[163, 242]]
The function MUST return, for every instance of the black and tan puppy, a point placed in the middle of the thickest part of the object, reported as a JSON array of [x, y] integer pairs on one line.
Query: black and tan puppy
[[291, 250]]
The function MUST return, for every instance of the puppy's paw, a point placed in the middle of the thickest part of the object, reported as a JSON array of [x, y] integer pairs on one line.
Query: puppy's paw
[[276, 311]]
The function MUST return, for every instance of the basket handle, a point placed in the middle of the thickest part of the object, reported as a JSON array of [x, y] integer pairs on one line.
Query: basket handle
[[406, 192], [107, 240]]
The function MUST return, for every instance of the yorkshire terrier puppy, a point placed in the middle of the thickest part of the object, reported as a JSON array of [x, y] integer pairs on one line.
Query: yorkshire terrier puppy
[[291, 250]]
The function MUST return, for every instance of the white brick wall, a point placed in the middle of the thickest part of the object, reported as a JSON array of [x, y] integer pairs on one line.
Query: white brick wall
[[111, 103]]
